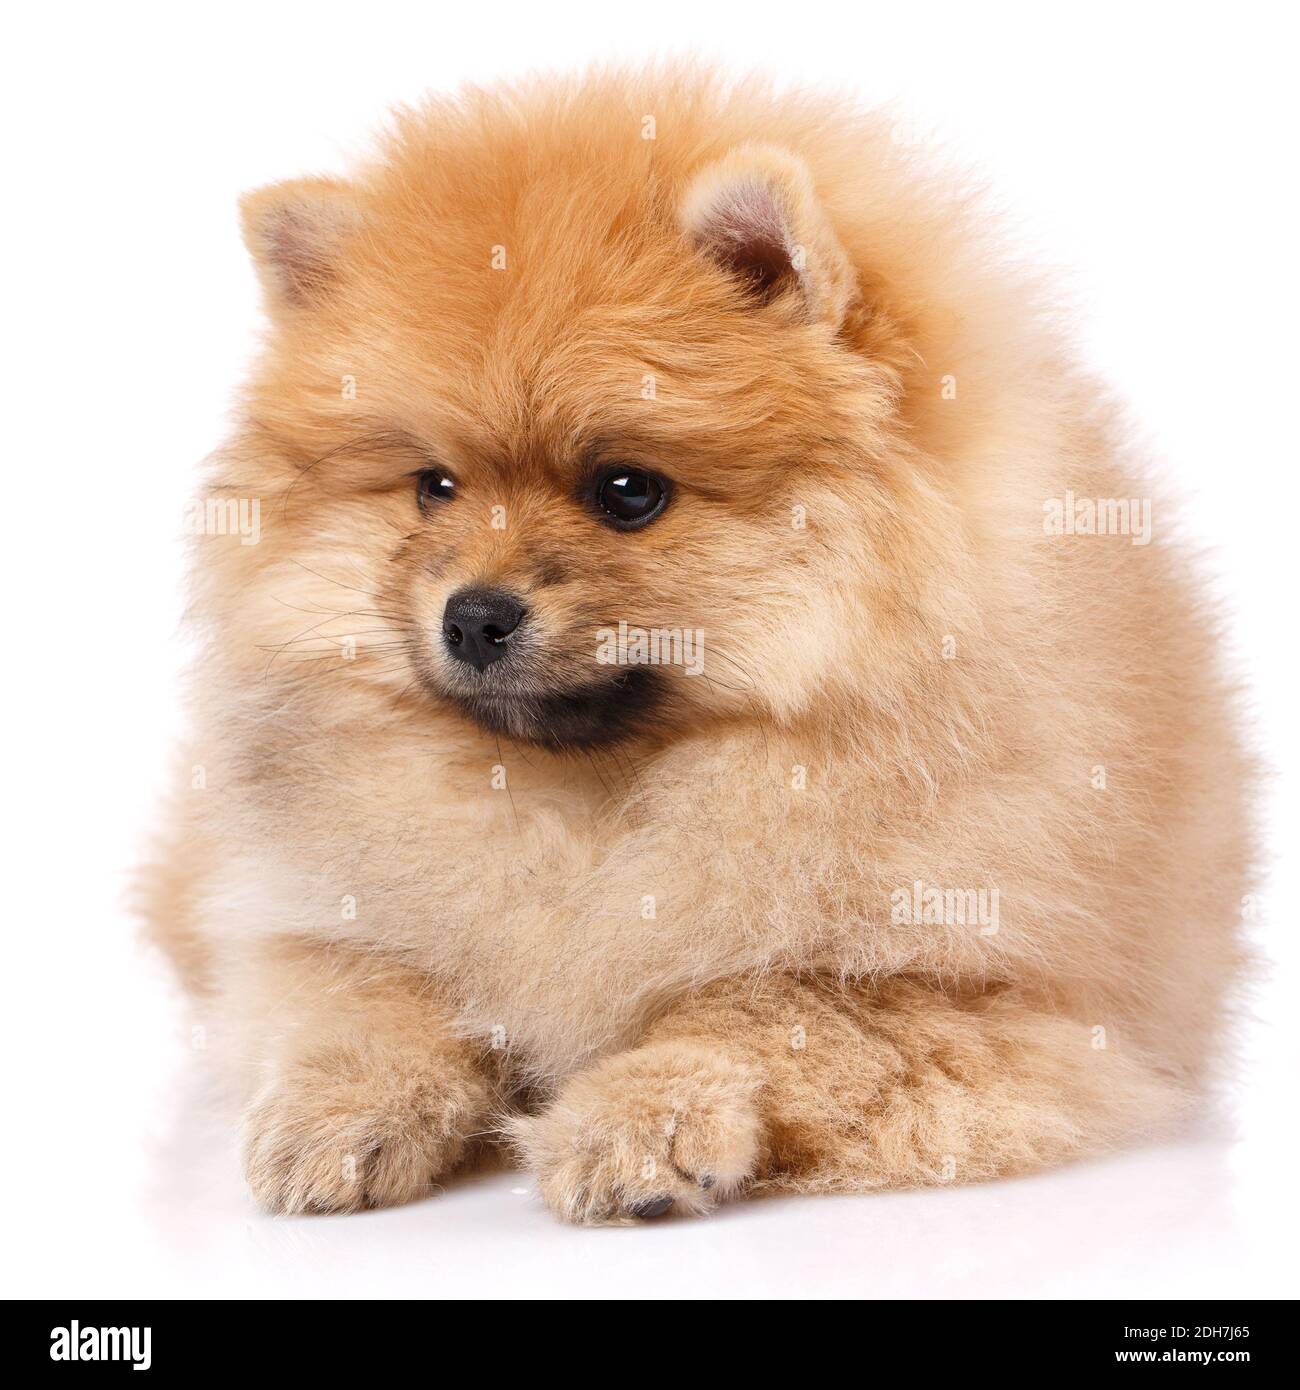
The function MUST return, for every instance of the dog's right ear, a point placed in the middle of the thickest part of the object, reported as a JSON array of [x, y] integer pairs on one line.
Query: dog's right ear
[[297, 233]]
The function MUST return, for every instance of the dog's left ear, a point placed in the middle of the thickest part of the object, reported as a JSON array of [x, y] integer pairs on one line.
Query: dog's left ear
[[756, 214]]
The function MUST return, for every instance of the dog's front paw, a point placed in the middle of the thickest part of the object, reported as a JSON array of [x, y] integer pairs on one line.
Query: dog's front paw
[[354, 1125], [669, 1127]]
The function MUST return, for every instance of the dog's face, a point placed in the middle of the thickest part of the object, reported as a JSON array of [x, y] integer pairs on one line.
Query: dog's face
[[601, 452]]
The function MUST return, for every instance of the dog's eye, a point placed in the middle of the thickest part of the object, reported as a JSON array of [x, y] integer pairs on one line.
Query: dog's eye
[[432, 486], [631, 497]]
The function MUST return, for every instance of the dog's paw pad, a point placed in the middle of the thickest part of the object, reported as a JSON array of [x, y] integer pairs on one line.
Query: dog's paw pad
[[652, 1207]]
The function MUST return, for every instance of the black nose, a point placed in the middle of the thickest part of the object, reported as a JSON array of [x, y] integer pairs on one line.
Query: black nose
[[476, 623]]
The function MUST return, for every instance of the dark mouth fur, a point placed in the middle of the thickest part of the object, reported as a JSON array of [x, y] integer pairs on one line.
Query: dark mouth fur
[[602, 713]]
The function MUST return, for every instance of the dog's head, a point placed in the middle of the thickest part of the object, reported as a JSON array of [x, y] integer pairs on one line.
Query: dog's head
[[588, 435]]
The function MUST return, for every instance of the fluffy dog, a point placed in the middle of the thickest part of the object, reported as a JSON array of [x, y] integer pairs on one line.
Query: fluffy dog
[[693, 679]]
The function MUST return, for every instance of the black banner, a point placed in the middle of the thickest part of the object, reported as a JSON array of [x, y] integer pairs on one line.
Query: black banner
[[89, 1339]]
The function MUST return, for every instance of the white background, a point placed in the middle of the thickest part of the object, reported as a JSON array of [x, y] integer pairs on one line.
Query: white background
[[1148, 148]]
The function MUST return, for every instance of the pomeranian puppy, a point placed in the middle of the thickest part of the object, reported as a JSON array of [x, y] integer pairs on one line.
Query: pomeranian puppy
[[693, 680]]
